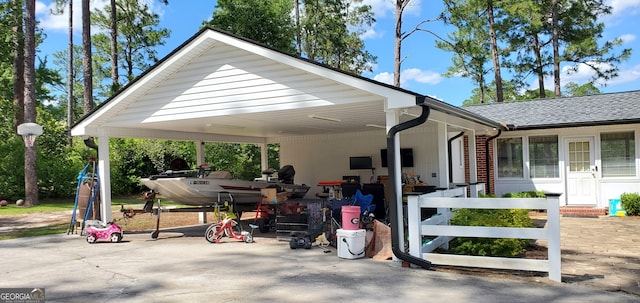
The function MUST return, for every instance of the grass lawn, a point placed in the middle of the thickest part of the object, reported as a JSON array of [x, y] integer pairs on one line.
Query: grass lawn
[[50, 206], [46, 206]]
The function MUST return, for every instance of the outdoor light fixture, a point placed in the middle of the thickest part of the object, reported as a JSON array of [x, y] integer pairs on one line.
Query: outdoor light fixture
[[406, 112], [224, 126], [325, 118], [375, 125], [29, 131]]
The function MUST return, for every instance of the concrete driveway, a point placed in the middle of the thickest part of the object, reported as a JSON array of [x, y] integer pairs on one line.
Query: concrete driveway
[[180, 266]]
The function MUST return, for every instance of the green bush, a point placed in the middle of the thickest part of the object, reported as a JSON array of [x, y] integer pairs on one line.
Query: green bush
[[490, 246], [631, 203], [526, 194]]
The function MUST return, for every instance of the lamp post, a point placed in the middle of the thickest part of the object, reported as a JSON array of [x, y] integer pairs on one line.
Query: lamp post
[[29, 131]]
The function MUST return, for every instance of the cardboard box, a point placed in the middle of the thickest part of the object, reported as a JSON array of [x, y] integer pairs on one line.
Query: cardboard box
[[272, 196]]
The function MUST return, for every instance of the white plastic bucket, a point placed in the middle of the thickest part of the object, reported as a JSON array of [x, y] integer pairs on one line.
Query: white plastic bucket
[[351, 243]]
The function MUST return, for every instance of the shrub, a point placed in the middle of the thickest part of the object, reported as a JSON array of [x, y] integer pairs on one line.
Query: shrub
[[631, 203], [525, 194], [490, 246]]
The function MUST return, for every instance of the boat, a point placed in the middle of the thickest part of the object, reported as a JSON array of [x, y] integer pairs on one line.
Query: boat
[[204, 187]]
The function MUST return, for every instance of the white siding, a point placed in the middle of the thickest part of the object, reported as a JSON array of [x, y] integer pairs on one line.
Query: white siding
[[607, 188], [326, 157]]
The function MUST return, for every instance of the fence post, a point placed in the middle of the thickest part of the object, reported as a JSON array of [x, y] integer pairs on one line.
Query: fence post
[[414, 226], [553, 230]]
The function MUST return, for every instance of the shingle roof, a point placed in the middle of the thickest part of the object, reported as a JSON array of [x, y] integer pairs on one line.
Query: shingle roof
[[603, 109]]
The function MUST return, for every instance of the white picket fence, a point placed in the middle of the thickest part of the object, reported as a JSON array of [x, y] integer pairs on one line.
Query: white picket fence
[[438, 227]]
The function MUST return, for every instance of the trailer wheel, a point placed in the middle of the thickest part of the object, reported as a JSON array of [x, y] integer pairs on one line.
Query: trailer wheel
[[263, 225]]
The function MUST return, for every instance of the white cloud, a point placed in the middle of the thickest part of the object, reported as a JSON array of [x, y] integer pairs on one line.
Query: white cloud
[[582, 74], [628, 38], [384, 77], [387, 8], [631, 75], [50, 22], [619, 7], [421, 76], [410, 75], [381, 8], [60, 23], [585, 74], [370, 33]]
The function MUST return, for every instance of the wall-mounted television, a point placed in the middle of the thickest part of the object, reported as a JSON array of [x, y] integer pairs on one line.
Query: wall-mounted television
[[406, 157], [360, 163]]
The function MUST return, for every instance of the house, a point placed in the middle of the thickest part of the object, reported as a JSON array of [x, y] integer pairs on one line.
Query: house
[[584, 147]]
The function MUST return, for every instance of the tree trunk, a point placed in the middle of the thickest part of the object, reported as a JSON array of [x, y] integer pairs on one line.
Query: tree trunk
[[70, 76], [482, 88], [298, 28], [18, 65], [398, 44], [115, 85], [556, 48], [30, 177], [86, 58], [539, 71], [494, 53]]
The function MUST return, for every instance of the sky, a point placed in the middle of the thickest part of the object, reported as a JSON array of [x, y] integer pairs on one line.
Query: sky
[[423, 64]]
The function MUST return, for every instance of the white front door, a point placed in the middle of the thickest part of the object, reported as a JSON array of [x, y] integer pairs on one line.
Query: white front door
[[581, 173]]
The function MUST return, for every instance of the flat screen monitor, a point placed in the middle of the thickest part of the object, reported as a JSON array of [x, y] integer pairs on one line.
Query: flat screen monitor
[[360, 163], [406, 157]]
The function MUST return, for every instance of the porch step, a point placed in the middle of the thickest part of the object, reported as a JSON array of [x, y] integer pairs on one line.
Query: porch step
[[583, 211]]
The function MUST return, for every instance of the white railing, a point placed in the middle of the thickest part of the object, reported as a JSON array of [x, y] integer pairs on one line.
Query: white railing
[[438, 227]]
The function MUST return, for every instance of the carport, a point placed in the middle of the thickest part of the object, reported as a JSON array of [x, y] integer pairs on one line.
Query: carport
[[220, 87]]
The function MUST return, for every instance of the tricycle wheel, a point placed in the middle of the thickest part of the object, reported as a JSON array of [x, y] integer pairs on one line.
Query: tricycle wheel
[[211, 234], [116, 237], [248, 238], [91, 238]]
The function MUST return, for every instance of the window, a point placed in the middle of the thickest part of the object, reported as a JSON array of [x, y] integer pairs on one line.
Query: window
[[509, 158], [618, 154], [543, 157], [579, 156]]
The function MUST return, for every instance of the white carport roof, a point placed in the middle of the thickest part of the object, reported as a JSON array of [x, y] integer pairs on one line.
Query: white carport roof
[[220, 87]]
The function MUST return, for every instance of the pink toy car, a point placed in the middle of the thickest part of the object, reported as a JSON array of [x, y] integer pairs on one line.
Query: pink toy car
[[97, 231]]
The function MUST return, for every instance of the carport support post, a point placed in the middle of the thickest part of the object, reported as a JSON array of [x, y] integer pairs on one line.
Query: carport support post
[[202, 216], [104, 171], [443, 156], [264, 156]]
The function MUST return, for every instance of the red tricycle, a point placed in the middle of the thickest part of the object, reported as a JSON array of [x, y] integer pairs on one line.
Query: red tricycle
[[98, 231], [216, 231]]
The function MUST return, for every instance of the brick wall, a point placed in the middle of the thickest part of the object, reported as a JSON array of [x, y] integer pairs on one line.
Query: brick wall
[[481, 161]]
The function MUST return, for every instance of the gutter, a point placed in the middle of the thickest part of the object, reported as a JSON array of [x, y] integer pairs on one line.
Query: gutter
[[88, 141], [393, 203], [486, 157]]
